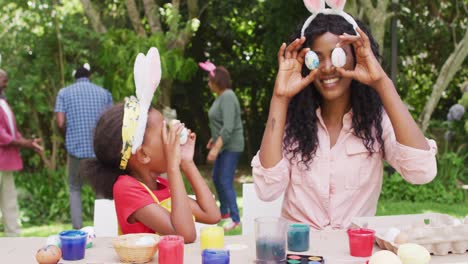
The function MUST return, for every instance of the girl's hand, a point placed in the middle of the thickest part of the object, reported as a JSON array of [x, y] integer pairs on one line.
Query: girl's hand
[[368, 70], [171, 144], [289, 80], [188, 149]]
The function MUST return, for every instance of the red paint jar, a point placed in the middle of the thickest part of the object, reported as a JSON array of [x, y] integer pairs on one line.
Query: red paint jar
[[361, 242], [171, 250]]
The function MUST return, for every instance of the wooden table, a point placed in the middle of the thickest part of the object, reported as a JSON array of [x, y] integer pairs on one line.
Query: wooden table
[[333, 245]]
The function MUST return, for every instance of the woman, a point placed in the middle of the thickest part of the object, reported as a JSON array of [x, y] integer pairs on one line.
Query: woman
[[330, 128], [226, 143]]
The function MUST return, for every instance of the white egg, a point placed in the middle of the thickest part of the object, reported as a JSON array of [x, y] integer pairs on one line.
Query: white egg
[[183, 134], [91, 235], [401, 238], [391, 234], [311, 60], [338, 57], [411, 253], [384, 257], [145, 241]]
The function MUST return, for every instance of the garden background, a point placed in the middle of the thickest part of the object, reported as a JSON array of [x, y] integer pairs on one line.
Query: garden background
[[424, 45]]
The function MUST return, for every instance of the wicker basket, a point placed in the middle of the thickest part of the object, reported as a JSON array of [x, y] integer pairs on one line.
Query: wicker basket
[[130, 252]]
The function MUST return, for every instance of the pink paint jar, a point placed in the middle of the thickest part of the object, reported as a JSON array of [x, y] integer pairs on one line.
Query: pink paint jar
[[361, 242], [171, 250]]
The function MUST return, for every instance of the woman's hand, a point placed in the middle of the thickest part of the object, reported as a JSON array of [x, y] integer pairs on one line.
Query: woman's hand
[[289, 80], [171, 144], [213, 154], [209, 145], [368, 69], [188, 149]]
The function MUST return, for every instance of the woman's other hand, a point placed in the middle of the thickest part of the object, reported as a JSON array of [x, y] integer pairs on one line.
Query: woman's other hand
[[213, 154], [368, 69], [289, 80], [209, 145]]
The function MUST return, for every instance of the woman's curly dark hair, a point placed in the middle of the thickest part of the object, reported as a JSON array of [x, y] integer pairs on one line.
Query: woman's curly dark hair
[[301, 128], [102, 172]]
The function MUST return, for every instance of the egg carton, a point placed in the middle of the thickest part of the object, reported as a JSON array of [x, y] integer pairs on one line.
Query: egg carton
[[440, 234]]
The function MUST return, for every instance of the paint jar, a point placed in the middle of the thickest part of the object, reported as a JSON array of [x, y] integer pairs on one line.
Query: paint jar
[[171, 250], [361, 241], [73, 244], [211, 237], [270, 239], [298, 237], [215, 256]]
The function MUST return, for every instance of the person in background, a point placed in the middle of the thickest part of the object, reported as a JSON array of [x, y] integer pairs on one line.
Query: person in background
[[77, 109], [226, 143], [10, 160]]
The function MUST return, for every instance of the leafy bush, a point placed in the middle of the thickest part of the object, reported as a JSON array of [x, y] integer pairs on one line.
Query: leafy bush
[[443, 189], [43, 197]]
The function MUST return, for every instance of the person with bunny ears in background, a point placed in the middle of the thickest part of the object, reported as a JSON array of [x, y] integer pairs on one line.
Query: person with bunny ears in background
[[77, 109], [334, 117], [133, 147], [226, 143]]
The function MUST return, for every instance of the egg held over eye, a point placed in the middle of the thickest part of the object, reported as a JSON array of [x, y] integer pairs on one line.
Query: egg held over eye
[[49, 254], [338, 57]]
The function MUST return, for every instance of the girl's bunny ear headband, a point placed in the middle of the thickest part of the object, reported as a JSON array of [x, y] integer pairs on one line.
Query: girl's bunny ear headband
[[318, 7], [208, 66], [147, 75]]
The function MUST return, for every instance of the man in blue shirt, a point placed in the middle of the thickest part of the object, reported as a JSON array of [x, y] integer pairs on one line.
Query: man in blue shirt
[[77, 110]]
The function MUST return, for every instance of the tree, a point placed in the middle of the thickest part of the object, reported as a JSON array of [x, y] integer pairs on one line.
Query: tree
[[148, 20], [451, 66]]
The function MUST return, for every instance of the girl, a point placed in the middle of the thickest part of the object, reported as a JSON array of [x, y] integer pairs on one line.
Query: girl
[[330, 128], [226, 143], [127, 170]]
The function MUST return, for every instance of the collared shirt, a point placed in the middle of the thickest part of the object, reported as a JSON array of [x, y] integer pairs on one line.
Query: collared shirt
[[344, 181], [83, 103]]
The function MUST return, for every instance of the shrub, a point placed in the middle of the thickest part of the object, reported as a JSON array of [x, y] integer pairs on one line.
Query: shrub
[[43, 197]]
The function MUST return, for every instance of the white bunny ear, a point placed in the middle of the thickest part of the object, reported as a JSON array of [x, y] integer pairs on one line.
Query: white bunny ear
[[87, 66], [336, 4], [154, 66], [314, 6]]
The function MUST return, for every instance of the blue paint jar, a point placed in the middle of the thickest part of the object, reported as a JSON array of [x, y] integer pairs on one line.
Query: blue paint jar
[[298, 237], [215, 256], [73, 244]]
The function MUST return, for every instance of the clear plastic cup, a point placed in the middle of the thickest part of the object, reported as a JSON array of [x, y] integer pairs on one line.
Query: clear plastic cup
[[361, 242], [73, 244], [270, 239]]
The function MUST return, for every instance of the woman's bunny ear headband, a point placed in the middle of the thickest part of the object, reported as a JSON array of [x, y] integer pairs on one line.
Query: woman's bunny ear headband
[[86, 66], [147, 75], [208, 66], [318, 7]]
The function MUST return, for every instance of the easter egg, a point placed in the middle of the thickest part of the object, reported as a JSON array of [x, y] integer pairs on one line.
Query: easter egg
[[384, 257], [411, 253], [391, 234], [49, 254], [183, 135], [338, 57], [401, 238], [91, 235], [311, 60]]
